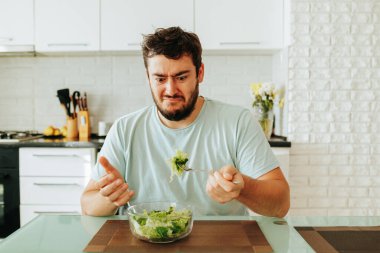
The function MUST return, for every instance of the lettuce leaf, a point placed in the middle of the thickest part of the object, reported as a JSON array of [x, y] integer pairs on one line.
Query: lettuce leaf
[[162, 225], [178, 163]]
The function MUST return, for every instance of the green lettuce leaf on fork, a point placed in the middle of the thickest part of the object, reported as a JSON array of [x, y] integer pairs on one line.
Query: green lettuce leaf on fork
[[178, 163]]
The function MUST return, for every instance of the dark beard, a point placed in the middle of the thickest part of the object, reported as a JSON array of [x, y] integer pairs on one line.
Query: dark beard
[[182, 113]]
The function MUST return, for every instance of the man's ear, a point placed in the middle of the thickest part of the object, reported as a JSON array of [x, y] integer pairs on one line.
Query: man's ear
[[201, 73]]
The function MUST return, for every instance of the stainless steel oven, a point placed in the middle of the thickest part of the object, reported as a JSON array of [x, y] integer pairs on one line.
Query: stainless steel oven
[[9, 191]]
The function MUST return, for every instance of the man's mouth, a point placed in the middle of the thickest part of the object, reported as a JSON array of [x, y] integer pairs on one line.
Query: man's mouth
[[173, 99]]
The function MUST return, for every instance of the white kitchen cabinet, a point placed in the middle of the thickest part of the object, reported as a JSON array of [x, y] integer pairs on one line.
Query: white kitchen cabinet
[[69, 25], [124, 21], [52, 190], [16, 22], [240, 24], [53, 179]]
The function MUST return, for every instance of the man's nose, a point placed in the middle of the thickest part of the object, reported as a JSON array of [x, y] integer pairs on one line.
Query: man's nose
[[170, 86]]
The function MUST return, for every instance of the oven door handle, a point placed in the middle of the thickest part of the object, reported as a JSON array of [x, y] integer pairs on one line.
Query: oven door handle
[[4, 175], [57, 184]]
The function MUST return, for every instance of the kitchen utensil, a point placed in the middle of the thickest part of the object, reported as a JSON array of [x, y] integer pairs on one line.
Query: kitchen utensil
[[63, 92], [160, 222], [79, 103], [82, 103], [64, 98], [85, 102], [84, 125], [197, 170], [74, 99], [72, 128], [214, 234], [187, 169]]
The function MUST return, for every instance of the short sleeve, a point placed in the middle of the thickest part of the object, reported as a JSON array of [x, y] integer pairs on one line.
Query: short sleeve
[[254, 154], [113, 150]]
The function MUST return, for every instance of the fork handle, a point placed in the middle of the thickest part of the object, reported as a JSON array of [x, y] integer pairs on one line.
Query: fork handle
[[202, 170], [209, 171]]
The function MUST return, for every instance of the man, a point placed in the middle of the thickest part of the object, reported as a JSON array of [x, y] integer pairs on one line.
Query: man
[[133, 165]]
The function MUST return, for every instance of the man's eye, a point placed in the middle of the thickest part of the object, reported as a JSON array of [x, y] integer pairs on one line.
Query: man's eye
[[160, 79], [181, 78]]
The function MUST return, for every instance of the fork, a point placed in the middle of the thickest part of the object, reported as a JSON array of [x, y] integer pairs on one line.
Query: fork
[[185, 168]]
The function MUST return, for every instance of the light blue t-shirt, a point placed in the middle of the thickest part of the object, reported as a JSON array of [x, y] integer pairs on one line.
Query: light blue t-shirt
[[139, 146]]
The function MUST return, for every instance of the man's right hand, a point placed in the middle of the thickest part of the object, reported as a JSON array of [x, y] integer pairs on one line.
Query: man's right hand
[[112, 185]]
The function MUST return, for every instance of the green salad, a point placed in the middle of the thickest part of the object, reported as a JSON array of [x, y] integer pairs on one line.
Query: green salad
[[178, 163], [162, 226]]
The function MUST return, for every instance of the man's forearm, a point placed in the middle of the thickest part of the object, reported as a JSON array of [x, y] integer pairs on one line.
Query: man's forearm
[[95, 204], [266, 197]]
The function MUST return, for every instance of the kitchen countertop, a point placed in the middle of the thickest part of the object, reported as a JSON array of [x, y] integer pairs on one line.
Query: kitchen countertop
[[71, 233], [279, 143], [97, 142]]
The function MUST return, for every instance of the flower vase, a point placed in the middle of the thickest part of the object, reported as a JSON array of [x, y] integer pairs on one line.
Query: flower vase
[[265, 118]]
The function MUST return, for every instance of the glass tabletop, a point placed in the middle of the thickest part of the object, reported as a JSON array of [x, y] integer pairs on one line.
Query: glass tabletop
[[65, 233]]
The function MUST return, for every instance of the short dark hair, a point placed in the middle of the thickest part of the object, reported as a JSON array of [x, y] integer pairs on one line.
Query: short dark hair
[[173, 43]]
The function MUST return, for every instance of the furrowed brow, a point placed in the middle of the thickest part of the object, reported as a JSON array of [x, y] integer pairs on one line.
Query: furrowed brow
[[159, 75], [181, 73], [175, 75]]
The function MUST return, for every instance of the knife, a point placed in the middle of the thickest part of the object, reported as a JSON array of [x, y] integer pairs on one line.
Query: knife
[[85, 102], [79, 104], [74, 98]]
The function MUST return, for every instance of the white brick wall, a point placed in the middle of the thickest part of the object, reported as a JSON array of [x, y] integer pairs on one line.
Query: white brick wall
[[116, 85], [334, 119]]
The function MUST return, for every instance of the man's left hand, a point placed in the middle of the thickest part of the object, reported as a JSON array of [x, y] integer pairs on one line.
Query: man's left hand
[[225, 184]]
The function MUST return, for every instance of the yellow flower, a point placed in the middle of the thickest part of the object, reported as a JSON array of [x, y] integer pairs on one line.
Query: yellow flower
[[281, 103], [266, 95], [255, 88]]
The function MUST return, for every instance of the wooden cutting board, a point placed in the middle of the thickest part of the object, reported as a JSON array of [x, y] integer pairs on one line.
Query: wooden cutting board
[[206, 236]]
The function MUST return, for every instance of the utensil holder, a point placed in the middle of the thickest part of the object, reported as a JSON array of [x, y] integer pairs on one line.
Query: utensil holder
[[84, 125], [72, 128]]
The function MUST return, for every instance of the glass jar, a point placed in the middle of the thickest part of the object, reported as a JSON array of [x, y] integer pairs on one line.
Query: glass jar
[[265, 119]]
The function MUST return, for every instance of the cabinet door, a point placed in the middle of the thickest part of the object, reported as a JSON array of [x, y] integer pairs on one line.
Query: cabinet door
[[69, 25], [16, 22], [56, 162], [239, 24], [124, 21], [52, 190]]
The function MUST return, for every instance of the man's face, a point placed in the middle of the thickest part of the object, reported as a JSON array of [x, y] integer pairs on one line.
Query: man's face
[[174, 85]]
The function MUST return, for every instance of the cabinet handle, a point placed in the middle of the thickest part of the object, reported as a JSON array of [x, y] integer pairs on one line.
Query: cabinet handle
[[68, 44], [6, 39], [240, 43], [133, 44], [57, 184], [55, 212], [54, 155]]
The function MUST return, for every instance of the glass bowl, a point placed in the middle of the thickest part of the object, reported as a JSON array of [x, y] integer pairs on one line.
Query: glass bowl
[[160, 222]]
